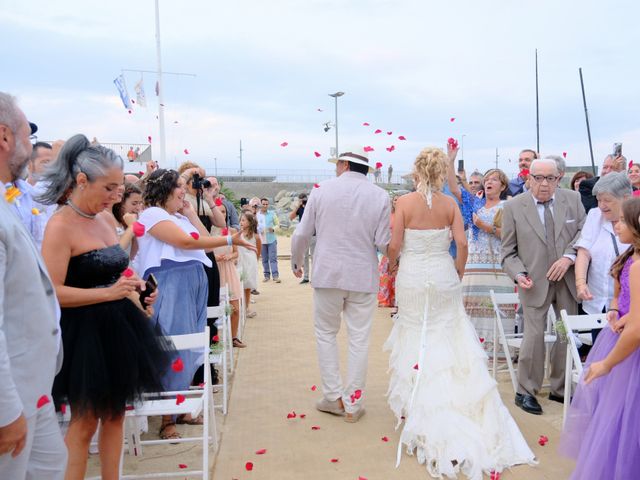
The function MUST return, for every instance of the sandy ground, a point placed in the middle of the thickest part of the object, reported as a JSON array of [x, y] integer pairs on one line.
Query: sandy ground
[[275, 375]]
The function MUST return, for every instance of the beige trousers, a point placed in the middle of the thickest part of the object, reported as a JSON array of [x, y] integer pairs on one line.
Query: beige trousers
[[331, 306]]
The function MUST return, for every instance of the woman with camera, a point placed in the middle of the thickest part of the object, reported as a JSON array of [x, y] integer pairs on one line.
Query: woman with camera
[[111, 352], [173, 250]]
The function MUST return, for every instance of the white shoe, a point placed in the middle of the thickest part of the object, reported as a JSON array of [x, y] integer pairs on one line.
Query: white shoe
[[334, 407]]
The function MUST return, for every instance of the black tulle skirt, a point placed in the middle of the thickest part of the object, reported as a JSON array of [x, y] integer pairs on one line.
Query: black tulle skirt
[[112, 355]]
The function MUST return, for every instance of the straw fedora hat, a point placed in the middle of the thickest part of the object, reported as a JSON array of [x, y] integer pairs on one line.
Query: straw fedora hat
[[355, 154]]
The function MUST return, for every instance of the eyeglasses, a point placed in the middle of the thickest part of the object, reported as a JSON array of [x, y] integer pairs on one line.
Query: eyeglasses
[[542, 178]]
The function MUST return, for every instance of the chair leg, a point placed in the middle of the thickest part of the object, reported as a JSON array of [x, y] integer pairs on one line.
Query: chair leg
[[568, 381]]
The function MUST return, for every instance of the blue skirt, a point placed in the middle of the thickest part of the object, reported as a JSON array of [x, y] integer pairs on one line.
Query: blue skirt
[[181, 308]]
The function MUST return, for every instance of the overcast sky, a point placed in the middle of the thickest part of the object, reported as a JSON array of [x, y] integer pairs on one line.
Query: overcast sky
[[265, 68]]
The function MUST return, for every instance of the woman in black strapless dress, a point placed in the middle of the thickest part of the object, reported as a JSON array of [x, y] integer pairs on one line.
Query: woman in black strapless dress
[[111, 353]]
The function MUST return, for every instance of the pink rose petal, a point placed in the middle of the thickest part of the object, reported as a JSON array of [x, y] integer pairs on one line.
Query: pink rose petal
[[177, 365], [42, 401], [262, 451], [368, 149], [127, 273], [402, 137], [182, 465], [365, 124], [138, 229], [313, 388], [284, 144], [385, 439], [195, 235], [452, 119], [378, 131], [186, 151], [317, 154], [248, 466], [389, 133], [180, 399]]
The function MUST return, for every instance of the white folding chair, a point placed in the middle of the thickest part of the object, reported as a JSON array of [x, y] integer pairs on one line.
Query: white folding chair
[[514, 340], [196, 401], [224, 301], [574, 324], [220, 358], [243, 310]]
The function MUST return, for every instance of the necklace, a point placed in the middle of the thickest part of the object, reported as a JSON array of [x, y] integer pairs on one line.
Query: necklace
[[80, 212]]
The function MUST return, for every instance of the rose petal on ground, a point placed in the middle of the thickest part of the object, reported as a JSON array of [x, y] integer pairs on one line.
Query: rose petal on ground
[[138, 229], [303, 415], [149, 138], [402, 137], [177, 365], [542, 440], [389, 133], [415, 367], [317, 154], [182, 465], [130, 112], [127, 273], [42, 401], [319, 109], [313, 388], [378, 131], [452, 119], [315, 427], [262, 451], [365, 124], [291, 415], [133, 101], [284, 144], [564, 154], [385, 439], [481, 339], [362, 478], [180, 399], [334, 460], [248, 466], [195, 235], [186, 151]]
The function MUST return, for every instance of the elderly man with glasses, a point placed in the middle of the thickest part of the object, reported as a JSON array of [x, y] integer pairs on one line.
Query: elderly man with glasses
[[539, 230]]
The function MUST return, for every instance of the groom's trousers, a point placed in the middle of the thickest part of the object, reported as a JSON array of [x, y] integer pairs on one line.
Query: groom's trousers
[[357, 310]]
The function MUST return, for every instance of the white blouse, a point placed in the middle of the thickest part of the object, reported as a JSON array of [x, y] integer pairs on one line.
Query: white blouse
[[152, 251], [596, 237]]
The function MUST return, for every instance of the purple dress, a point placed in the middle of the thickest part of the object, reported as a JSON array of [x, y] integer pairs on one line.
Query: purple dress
[[602, 430]]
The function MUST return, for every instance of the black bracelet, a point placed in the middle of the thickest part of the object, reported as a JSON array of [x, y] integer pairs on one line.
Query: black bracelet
[[613, 310]]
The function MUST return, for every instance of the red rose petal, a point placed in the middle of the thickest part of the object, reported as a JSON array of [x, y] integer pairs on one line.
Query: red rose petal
[[542, 440], [452, 119], [224, 232], [357, 394], [218, 202], [368, 149], [63, 408], [130, 112], [177, 365], [303, 415], [201, 384], [133, 101], [362, 478], [262, 451], [319, 109], [216, 338], [494, 475], [195, 235], [564, 154], [284, 144], [630, 163], [385, 439], [313, 388], [186, 151], [127, 273], [402, 137], [316, 185], [248, 466], [317, 154], [334, 460], [378, 131], [291, 415], [378, 164], [365, 124], [149, 138], [353, 398], [138, 229], [415, 367], [140, 172], [42, 401], [315, 427], [180, 399], [128, 408], [182, 465], [389, 133], [481, 339]]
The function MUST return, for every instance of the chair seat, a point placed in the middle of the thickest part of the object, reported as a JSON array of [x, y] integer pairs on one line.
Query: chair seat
[[517, 342], [216, 358], [168, 406]]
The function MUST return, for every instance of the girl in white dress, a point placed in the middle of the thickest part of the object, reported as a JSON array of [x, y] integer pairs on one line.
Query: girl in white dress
[[248, 258], [454, 418]]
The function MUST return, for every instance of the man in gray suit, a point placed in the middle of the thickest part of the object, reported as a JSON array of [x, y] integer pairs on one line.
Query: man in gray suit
[[538, 232], [31, 445]]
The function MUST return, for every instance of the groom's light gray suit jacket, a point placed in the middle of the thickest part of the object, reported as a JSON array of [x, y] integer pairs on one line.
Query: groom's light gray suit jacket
[[30, 354]]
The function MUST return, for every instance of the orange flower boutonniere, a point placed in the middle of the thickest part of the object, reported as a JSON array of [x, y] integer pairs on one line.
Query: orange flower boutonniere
[[11, 194]]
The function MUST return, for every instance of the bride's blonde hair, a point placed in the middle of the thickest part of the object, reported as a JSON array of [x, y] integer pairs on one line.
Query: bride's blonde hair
[[430, 170]]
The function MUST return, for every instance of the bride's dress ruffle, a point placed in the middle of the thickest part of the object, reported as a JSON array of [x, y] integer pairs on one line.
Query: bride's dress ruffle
[[457, 413]]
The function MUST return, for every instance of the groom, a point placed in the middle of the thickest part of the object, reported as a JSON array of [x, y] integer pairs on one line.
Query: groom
[[350, 218]]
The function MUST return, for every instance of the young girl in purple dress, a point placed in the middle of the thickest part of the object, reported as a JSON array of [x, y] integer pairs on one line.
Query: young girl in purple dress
[[603, 425]]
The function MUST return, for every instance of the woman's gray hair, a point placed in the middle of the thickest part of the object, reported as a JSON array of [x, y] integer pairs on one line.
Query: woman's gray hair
[[9, 112], [77, 155], [614, 183]]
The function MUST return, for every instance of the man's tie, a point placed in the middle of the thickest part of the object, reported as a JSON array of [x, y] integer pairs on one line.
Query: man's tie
[[550, 232]]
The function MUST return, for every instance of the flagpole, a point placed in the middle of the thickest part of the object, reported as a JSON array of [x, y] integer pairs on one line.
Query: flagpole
[[537, 109], [163, 153], [586, 116]]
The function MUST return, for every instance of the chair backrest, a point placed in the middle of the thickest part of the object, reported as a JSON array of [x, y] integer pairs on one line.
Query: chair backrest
[[576, 323], [504, 298], [191, 340], [216, 312]]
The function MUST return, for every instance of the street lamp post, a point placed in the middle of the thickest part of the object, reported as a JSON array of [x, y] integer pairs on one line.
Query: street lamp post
[[335, 96], [462, 148]]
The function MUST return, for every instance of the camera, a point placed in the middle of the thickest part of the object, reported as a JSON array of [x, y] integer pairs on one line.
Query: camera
[[199, 183]]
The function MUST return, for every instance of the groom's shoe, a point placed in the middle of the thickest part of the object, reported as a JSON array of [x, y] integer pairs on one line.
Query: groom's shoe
[[355, 416], [334, 407], [528, 403], [556, 398]]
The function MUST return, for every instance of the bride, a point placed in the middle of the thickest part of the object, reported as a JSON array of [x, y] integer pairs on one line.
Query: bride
[[454, 419]]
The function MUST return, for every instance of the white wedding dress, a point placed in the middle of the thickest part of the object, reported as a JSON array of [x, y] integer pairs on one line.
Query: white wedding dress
[[454, 418]]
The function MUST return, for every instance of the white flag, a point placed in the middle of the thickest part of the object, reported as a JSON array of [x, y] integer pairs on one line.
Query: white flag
[[140, 96], [122, 89]]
